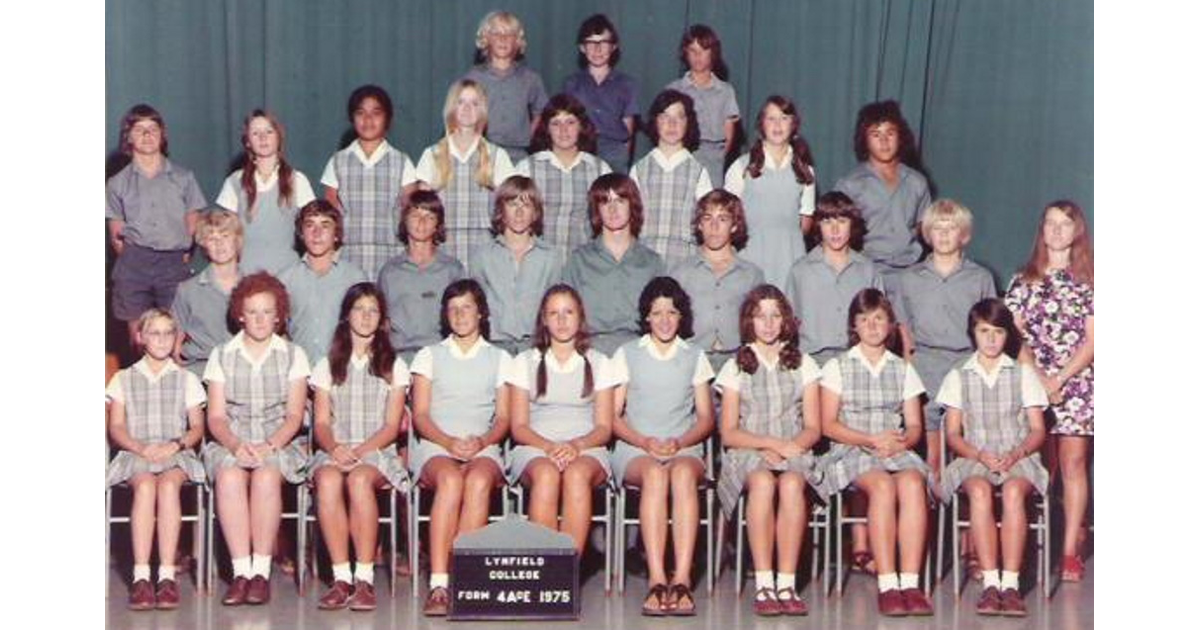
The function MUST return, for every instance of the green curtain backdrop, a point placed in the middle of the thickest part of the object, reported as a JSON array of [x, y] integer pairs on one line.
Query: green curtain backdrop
[[999, 93]]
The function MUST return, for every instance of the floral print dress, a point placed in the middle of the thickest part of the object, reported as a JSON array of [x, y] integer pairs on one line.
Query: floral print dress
[[1055, 310]]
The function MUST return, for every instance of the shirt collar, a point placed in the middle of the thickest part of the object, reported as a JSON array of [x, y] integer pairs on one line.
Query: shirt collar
[[972, 363], [143, 367], [856, 353], [337, 255], [762, 358], [463, 157], [572, 363], [262, 185], [552, 158], [457, 352], [677, 344], [383, 149], [669, 164], [769, 162], [238, 344], [927, 266]]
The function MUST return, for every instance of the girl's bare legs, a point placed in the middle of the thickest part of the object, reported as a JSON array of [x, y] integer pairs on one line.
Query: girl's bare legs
[[480, 476], [652, 478], [1014, 526], [364, 511], [880, 489], [233, 510], [791, 520], [331, 513], [685, 474], [914, 515], [141, 515], [579, 480], [983, 521], [760, 517], [266, 506], [170, 514], [445, 477], [542, 478], [1072, 460]]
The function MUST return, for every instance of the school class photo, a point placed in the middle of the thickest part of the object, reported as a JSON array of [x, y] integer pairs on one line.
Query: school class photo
[[751, 310]]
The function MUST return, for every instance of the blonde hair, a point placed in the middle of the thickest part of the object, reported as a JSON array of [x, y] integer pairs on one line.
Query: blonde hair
[[500, 22], [220, 221], [946, 210], [152, 314], [441, 151]]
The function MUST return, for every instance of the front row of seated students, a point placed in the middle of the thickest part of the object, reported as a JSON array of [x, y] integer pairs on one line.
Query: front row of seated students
[[563, 402]]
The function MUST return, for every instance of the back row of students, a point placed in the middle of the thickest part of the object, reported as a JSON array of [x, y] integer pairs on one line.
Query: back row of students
[[605, 274]]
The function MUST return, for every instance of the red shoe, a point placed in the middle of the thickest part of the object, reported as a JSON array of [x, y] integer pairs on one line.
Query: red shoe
[[790, 602], [336, 598], [766, 603], [989, 602], [437, 604], [141, 596], [891, 603], [236, 595], [1072, 569], [259, 591], [364, 596], [1011, 604], [916, 603], [167, 595]]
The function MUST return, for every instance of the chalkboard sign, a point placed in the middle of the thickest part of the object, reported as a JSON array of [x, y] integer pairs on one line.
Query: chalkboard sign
[[514, 569]]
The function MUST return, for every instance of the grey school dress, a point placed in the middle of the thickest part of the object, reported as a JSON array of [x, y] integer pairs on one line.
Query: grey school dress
[[561, 413], [773, 202], [872, 405], [994, 420], [770, 402], [669, 198], [359, 410], [256, 403], [661, 400], [462, 401], [370, 197], [270, 235], [155, 412]]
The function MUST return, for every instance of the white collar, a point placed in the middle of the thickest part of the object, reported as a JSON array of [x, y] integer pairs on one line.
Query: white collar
[[670, 163], [972, 363], [856, 353], [238, 344], [456, 351], [770, 163], [552, 158], [143, 367], [383, 149], [463, 157], [647, 341], [569, 366]]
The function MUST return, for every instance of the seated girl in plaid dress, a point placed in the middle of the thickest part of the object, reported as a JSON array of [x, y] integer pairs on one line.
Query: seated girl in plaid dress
[[358, 406], [256, 396], [156, 421], [562, 407], [663, 415], [770, 420], [460, 412], [871, 412], [998, 403]]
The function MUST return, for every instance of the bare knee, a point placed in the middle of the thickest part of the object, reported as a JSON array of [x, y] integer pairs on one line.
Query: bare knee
[[449, 480], [684, 479], [761, 483], [577, 477], [910, 485], [265, 484], [328, 480], [1013, 494], [361, 482], [479, 482], [543, 476], [978, 491], [655, 479]]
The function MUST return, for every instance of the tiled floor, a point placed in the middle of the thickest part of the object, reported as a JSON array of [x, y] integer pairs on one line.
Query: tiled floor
[[1070, 609]]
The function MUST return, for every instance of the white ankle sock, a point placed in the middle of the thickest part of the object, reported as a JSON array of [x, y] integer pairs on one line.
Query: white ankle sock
[[166, 572], [439, 579], [141, 572], [341, 573], [1010, 579], [261, 564], [888, 582], [764, 579], [241, 567], [909, 580], [991, 577], [365, 571], [785, 580]]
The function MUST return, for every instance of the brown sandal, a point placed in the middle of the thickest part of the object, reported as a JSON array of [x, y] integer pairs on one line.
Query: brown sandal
[[658, 594], [862, 562], [676, 593]]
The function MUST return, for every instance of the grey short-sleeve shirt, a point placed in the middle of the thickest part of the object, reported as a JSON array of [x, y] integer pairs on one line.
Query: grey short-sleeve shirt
[[154, 209], [414, 298], [316, 301], [891, 215], [714, 104], [821, 296], [935, 309], [515, 98], [716, 300], [610, 288]]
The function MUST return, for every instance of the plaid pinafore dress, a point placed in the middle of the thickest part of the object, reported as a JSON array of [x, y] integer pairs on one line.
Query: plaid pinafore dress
[[155, 412], [359, 410]]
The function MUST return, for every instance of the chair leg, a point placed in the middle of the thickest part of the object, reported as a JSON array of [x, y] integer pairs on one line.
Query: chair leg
[[107, 539], [740, 536], [620, 541], [839, 551], [414, 541], [198, 539], [1044, 542], [392, 540], [828, 544], [713, 553], [210, 544], [301, 536], [955, 543], [608, 536]]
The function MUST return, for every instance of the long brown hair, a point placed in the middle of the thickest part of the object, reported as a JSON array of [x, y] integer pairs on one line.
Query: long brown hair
[[868, 300], [789, 351], [1081, 248], [802, 159], [542, 340], [285, 169], [342, 346]]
